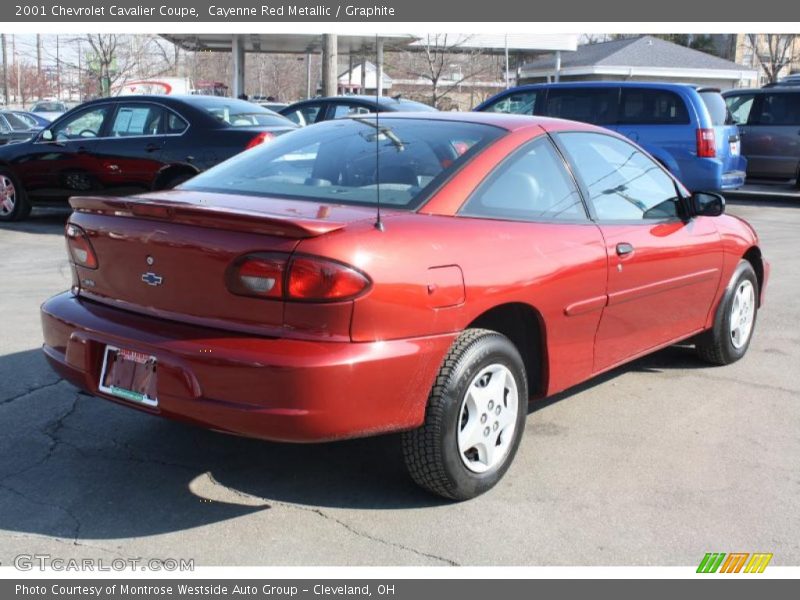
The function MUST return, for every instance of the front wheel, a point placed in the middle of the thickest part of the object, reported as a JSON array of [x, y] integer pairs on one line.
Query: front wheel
[[727, 341], [474, 419]]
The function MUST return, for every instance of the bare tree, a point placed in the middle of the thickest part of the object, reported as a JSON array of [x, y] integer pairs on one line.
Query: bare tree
[[111, 59], [774, 52], [445, 63]]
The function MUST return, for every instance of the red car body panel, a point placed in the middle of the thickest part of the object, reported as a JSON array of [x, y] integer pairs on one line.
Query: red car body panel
[[297, 371]]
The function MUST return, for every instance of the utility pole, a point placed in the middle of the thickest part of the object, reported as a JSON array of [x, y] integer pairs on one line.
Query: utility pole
[[5, 70], [330, 61], [38, 53], [58, 70], [19, 70]]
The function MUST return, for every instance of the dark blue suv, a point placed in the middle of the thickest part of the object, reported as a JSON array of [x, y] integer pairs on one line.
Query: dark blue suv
[[687, 129]]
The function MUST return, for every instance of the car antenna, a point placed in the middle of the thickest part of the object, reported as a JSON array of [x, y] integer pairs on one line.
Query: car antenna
[[378, 222]]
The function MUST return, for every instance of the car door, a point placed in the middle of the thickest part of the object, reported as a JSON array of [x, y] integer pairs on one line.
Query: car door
[[664, 269], [62, 160], [531, 209], [771, 139], [130, 154]]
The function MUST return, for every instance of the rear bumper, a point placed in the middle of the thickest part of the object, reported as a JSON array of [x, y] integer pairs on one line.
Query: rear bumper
[[275, 389], [709, 174]]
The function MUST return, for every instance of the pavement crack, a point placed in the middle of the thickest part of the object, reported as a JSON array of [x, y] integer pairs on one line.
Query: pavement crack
[[353, 530], [30, 391]]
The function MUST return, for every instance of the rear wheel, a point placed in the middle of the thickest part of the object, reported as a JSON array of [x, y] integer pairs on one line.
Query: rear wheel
[[175, 180], [14, 205], [728, 340], [474, 419]]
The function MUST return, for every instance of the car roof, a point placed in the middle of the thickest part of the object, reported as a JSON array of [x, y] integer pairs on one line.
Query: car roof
[[778, 89], [656, 85], [510, 122]]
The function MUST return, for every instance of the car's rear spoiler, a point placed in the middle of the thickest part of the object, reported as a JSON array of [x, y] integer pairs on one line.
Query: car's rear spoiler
[[215, 217]]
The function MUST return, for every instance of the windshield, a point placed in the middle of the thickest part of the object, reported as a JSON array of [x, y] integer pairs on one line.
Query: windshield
[[49, 107], [345, 161], [715, 104]]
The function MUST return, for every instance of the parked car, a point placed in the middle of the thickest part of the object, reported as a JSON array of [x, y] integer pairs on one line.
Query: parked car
[[49, 109], [302, 292], [316, 110], [130, 144], [271, 105], [33, 120], [789, 80], [769, 125], [686, 129], [13, 129]]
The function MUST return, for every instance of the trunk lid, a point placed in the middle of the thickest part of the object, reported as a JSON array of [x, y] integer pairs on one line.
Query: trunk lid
[[167, 254]]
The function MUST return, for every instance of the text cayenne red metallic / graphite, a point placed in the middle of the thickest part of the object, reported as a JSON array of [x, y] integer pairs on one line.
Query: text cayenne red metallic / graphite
[[515, 257], [129, 144]]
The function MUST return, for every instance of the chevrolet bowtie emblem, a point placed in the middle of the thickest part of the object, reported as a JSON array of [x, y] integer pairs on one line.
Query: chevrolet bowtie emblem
[[151, 278]]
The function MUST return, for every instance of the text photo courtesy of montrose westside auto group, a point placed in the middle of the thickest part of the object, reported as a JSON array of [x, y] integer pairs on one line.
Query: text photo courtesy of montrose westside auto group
[[395, 299]]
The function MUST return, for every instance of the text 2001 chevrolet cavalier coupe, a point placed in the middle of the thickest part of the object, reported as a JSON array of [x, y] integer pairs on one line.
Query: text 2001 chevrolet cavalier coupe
[[513, 257]]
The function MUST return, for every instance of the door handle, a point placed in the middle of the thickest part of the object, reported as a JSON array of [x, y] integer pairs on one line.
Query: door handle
[[82, 149], [152, 147], [624, 249]]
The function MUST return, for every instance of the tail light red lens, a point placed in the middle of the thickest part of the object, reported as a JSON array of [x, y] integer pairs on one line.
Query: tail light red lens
[[259, 139], [706, 143], [303, 278], [80, 248], [312, 278]]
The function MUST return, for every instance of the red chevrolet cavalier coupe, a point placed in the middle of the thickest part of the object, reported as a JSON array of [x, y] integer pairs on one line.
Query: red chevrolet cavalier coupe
[[426, 273]]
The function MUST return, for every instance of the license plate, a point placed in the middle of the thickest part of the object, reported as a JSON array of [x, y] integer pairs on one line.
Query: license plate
[[735, 148], [129, 375]]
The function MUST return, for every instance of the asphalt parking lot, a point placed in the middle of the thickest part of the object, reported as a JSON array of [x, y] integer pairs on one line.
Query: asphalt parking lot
[[656, 463]]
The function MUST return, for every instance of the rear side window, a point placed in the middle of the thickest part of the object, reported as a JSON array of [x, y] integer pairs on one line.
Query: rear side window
[[740, 107], [717, 109], [590, 105], [779, 109], [347, 110], [136, 120], [624, 184], [174, 123], [305, 115], [532, 185], [519, 103], [652, 107]]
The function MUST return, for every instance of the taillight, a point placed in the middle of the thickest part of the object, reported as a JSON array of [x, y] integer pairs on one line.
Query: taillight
[[302, 278], [80, 248], [258, 275], [706, 143], [312, 278], [259, 139]]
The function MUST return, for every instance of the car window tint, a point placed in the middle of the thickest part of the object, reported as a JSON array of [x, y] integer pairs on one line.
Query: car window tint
[[624, 183], [597, 105], [717, 109], [137, 119], [520, 103], [346, 110], [305, 115], [16, 123], [652, 107], [174, 123], [740, 107], [352, 161], [779, 109], [532, 185], [4, 126], [86, 124]]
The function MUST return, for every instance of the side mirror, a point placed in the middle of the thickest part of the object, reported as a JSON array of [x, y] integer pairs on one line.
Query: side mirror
[[47, 135], [707, 204]]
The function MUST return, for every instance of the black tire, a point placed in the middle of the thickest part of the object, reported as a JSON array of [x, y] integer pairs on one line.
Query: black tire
[[717, 346], [431, 452], [21, 206], [174, 180]]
